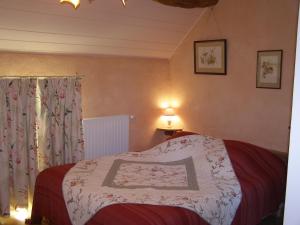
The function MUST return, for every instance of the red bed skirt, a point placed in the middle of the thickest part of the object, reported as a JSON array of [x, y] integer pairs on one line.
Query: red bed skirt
[[261, 174]]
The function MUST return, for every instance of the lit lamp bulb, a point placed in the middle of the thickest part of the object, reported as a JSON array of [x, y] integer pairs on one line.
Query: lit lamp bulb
[[75, 3], [20, 214]]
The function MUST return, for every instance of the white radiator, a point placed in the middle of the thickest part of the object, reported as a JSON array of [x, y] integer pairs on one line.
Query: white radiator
[[105, 135]]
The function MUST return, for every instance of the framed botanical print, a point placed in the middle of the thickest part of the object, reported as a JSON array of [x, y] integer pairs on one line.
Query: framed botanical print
[[210, 57], [269, 66]]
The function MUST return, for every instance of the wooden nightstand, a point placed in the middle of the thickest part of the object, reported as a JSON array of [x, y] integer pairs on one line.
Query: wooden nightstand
[[169, 131]]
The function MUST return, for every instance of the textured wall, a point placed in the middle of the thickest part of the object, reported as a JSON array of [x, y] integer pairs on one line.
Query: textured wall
[[231, 106], [112, 86], [224, 106]]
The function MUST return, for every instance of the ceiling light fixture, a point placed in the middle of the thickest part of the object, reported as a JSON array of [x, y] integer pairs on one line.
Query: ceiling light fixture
[[76, 3]]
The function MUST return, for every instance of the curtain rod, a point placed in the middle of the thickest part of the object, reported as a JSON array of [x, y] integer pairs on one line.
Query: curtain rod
[[78, 76]]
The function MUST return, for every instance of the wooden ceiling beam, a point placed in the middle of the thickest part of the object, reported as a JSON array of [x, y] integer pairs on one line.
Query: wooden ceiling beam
[[188, 3]]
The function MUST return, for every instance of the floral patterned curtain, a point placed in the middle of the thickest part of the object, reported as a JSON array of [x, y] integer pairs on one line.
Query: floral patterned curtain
[[40, 127], [18, 149], [59, 117]]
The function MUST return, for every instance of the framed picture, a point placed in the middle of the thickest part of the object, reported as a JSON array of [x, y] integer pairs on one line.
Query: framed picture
[[210, 57], [268, 74]]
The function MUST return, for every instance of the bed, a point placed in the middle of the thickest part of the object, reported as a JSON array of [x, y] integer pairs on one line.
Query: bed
[[261, 175]]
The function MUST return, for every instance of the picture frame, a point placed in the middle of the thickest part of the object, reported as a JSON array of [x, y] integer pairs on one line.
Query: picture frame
[[210, 57], [269, 69]]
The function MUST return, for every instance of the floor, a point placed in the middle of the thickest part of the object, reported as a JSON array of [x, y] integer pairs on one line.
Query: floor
[[268, 221], [272, 220], [8, 221]]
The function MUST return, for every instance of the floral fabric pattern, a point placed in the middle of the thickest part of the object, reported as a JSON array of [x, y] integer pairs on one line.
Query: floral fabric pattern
[[18, 149], [134, 174], [159, 175], [59, 117], [51, 117], [216, 200]]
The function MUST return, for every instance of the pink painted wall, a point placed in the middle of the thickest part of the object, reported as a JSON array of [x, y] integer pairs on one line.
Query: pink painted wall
[[224, 106], [112, 86], [231, 106]]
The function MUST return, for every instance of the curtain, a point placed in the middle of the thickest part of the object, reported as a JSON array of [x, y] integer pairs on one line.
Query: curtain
[[60, 132], [18, 149], [40, 127]]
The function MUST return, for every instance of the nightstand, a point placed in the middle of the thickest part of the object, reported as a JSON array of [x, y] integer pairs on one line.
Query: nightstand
[[169, 131]]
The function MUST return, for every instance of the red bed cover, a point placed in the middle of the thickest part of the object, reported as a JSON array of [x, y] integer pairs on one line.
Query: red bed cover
[[261, 174]]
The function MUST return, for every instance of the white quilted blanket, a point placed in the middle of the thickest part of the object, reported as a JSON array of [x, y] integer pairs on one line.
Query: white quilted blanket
[[192, 172]]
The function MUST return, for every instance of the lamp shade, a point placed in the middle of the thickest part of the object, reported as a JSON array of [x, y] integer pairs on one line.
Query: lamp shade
[[169, 116], [75, 3], [169, 112]]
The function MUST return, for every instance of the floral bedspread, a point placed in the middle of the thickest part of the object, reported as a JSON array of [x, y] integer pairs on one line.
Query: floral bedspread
[[192, 172]]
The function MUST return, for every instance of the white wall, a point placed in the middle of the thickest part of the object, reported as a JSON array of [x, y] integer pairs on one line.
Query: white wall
[[292, 213]]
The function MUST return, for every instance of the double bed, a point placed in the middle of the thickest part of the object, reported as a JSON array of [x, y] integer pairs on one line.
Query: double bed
[[261, 175]]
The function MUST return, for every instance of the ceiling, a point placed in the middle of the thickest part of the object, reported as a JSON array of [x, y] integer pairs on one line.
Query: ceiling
[[143, 28]]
